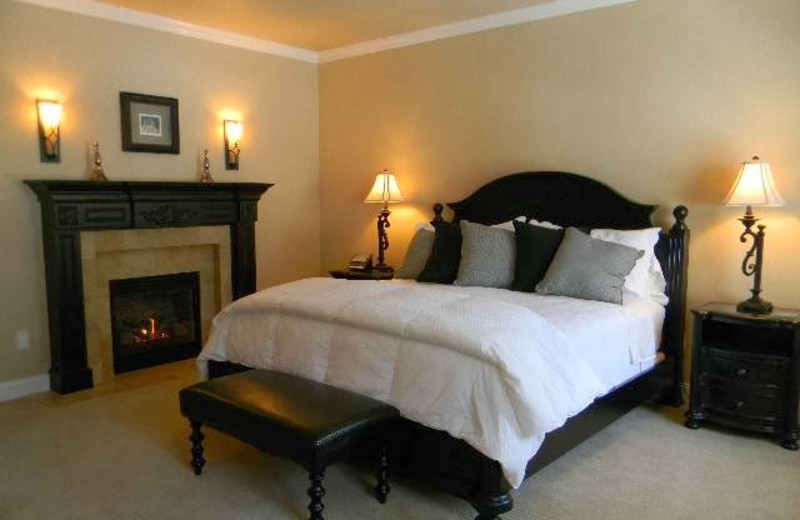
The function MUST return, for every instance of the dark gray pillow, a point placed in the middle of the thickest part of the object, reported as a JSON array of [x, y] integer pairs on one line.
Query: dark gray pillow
[[419, 249], [488, 255], [589, 268], [442, 265]]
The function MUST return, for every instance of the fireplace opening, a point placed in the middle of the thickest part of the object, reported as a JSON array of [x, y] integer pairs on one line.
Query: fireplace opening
[[155, 320]]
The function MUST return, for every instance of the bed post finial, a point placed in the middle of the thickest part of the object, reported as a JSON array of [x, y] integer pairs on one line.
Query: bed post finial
[[680, 213], [438, 208]]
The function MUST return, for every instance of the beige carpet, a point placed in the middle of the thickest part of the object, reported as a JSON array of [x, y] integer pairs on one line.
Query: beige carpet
[[120, 452]]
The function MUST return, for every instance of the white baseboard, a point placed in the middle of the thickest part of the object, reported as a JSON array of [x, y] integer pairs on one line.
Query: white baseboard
[[24, 387]]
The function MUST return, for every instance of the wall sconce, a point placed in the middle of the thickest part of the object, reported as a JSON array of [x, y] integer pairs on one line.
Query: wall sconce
[[233, 133], [49, 115]]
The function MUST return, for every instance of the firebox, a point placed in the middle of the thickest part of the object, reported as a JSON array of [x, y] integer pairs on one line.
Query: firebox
[[155, 320]]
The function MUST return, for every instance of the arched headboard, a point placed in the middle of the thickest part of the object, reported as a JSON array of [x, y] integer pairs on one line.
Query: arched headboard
[[569, 199]]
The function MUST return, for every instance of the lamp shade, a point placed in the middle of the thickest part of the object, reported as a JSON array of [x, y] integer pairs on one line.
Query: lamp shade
[[233, 130], [754, 186], [385, 189], [49, 113]]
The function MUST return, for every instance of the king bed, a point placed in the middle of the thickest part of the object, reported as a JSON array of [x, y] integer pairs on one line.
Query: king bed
[[492, 384]]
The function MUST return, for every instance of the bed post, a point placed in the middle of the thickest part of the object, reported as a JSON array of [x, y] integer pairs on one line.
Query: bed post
[[437, 221], [677, 263], [492, 498]]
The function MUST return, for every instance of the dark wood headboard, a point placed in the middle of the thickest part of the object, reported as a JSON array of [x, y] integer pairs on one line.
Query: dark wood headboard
[[569, 199]]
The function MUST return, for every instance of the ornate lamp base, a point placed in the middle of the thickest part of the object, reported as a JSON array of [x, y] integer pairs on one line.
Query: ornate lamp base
[[752, 264], [754, 306]]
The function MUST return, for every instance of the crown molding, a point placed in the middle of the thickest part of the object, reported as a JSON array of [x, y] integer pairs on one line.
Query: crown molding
[[160, 23], [439, 32], [473, 25]]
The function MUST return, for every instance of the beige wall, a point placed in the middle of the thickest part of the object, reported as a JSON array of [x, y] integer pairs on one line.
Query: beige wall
[[86, 62], [660, 99]]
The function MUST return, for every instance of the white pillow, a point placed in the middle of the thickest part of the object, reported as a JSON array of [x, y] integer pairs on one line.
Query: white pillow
[[544, 223], [646, 280]]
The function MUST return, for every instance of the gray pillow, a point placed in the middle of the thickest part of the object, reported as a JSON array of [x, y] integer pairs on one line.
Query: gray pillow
[[589, 268], [419, 249], [488, 256]]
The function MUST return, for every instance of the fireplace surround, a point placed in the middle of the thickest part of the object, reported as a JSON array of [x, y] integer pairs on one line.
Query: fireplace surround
[[72, 207]]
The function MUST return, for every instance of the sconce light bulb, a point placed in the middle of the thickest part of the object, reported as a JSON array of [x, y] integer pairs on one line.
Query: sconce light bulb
[[50, 114], [234, 130]]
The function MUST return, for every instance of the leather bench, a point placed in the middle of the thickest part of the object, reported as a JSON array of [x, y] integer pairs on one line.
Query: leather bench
[[313, 424]]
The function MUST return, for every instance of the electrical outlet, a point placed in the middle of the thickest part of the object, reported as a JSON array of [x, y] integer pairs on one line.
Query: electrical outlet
[[23, 340]]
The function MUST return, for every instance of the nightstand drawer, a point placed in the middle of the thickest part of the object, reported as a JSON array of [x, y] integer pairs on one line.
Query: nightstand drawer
[[759, 406], [747, 368]]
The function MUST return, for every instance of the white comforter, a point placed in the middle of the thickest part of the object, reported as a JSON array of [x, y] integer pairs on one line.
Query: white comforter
[[480, 364]]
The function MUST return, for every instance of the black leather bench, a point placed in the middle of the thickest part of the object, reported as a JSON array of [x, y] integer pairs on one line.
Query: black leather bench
[[310, 423]]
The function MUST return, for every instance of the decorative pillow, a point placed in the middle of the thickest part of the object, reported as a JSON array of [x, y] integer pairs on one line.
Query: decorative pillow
[[589, 268], [646, 280], [442, 265], [418, 252], [536, 246], [488, 255]]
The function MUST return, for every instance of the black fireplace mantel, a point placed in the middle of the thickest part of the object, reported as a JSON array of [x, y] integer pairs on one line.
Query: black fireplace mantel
[[70, 207]]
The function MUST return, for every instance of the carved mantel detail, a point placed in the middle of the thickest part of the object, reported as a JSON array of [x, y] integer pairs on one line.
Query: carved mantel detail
[[169, 215], [70, 207]]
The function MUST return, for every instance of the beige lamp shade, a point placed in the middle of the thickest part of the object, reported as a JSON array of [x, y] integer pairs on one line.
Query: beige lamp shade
[[754, 186], [385, 189]]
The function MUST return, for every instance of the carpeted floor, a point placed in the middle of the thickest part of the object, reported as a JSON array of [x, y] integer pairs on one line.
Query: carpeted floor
[[120, 452]]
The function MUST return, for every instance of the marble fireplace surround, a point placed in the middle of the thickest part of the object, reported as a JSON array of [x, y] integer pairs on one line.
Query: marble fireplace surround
[[73, 209], [132, 253]]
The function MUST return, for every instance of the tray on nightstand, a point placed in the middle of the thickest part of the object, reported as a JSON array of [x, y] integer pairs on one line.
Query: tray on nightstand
[[366, 274]]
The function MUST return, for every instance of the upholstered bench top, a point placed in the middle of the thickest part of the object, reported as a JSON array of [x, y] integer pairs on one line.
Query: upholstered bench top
[[308, 422]]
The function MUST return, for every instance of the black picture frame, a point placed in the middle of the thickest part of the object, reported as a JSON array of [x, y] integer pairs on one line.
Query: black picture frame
[[150, 124]]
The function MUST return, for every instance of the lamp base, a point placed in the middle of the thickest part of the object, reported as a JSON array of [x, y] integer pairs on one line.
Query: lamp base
[[754, 306]]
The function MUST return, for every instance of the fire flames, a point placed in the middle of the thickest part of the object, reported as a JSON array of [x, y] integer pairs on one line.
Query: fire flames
[[150, 331]]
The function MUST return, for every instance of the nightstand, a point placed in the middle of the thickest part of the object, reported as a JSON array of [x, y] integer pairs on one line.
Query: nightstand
[[745, 371], [371, 274]]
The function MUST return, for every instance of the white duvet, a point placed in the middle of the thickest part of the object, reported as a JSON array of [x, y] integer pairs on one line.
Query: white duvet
[[495, 368]]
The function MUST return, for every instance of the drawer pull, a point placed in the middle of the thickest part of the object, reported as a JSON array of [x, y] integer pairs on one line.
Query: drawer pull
[[741, 372]]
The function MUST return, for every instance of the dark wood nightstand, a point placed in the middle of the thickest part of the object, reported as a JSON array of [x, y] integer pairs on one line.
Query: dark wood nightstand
[[371, 274], [745, 371]]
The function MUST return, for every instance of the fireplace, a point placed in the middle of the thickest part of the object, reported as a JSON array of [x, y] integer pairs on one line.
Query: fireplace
[[71, 209], [155, 320]]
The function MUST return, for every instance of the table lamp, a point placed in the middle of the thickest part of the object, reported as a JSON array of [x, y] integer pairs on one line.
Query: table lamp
[[385, 191], [754, 187]]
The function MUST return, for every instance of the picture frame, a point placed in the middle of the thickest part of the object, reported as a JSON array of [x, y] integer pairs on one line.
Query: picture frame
[[150, 124]]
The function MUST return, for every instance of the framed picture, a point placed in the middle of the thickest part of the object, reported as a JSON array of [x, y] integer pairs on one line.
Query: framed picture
[[149, 123]]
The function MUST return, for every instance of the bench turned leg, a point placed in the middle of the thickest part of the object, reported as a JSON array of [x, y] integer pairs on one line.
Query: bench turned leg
[[316, 492], [197, 447], [382, 489]]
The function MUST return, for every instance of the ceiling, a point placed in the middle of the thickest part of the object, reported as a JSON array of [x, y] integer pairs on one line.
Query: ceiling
[[321, 24]]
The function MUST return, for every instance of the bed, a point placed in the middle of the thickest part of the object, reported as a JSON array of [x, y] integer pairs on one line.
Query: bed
[[453, 439]]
